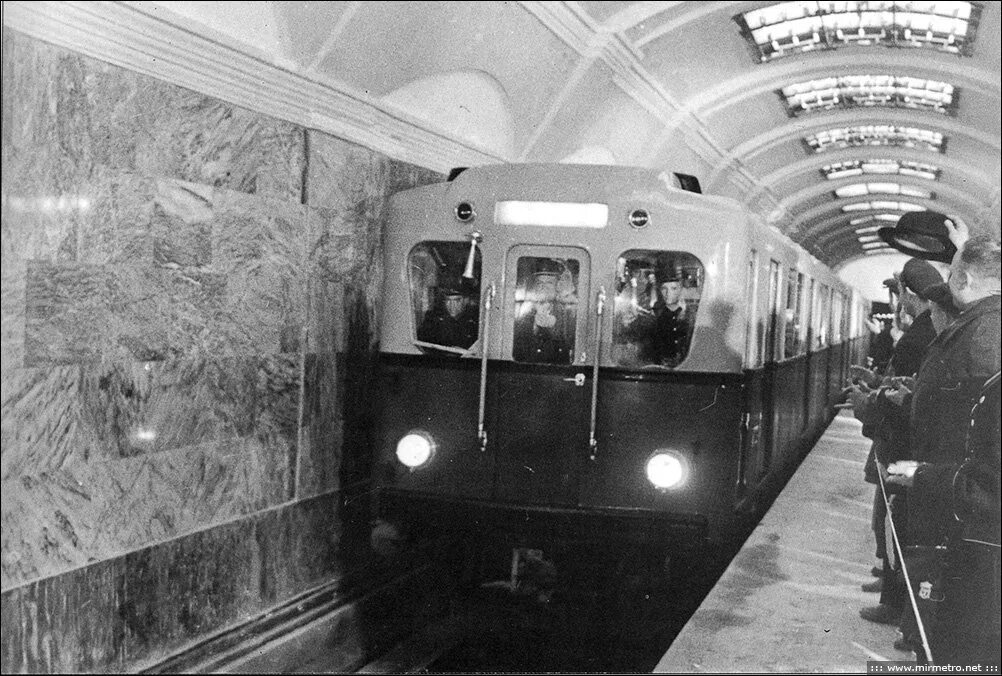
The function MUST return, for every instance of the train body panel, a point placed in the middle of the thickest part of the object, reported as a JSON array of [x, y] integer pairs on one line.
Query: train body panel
[[575, 343]]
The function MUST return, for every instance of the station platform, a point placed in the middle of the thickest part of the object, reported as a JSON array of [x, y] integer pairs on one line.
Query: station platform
[[790, 599]]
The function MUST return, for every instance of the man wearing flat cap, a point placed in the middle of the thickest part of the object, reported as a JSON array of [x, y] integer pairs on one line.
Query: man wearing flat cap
[[913, 280], [452, 322]]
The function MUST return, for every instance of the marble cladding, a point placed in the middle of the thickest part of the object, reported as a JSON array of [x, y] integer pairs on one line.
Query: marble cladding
[[73, 118], [127, 612], [189, 302]]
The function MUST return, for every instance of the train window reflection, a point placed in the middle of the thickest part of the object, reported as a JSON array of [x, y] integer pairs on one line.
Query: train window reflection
[[445, 296], [657, 298], [546, 309], [793, 341]]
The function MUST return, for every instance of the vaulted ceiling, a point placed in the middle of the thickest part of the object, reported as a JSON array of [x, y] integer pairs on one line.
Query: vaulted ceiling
[[679, 86]]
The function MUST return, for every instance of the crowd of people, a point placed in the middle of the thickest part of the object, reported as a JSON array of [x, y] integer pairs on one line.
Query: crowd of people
[[932, 414]]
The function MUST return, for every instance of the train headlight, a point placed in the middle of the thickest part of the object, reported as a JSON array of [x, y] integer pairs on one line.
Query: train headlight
[[415, 449], [667, 470]]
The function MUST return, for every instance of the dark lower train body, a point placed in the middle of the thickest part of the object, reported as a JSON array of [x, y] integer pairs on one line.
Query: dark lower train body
[[538, 484]]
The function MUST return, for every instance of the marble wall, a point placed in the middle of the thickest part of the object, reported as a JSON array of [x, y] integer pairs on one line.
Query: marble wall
[[189, 303]]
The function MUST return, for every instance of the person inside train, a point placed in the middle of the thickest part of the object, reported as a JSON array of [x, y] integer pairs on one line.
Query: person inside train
[[671, 324], [887, 425], [452, 322], [544, 333], [965, 626]]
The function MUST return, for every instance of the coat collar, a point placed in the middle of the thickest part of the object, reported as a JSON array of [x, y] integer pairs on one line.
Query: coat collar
[[982, 307]]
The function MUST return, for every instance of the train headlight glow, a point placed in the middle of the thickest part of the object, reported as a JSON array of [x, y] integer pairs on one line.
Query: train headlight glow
[[415, 449], [667, 469]]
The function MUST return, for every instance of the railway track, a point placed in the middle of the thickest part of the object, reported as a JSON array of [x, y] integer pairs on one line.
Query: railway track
[[602, 624]]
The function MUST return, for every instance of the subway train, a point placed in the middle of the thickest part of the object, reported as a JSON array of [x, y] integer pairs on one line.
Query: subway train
[[582, 358]]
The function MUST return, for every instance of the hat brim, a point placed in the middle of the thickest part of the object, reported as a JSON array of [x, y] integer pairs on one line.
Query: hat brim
[[921, 234]]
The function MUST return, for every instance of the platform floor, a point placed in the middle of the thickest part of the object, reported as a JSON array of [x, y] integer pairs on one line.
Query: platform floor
[[790, 599]]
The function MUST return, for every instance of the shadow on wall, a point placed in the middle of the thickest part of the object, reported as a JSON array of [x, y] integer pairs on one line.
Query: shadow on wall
[[711, 345]]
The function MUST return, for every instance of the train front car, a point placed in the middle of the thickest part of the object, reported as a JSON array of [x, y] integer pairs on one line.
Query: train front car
[[562, 361]]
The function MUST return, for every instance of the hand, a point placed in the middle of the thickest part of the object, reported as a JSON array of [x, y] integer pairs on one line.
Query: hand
[[908, 382], [902, 472], [897, 395], [544, 318], [857, 397], [957, 231], [862, 374]]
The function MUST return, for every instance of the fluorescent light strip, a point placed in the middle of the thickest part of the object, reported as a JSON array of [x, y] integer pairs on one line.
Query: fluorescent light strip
[[552, 214]]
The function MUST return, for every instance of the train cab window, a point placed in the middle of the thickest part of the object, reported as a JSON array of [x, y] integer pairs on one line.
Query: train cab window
[[546, 309], [445, 296], [657, 298]]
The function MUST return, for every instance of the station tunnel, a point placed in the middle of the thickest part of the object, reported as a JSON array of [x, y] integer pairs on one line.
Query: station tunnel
[[195, 198]]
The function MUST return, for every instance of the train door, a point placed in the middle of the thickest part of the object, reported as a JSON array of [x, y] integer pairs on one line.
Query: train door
[[751, 461], [773, 395], [540, 408]]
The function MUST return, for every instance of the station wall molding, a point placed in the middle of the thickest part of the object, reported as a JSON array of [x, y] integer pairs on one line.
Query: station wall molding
[[127, 37]]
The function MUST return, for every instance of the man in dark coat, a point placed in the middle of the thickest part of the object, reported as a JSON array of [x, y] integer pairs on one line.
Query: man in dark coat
[[453, 323], [949, 384], [544, 333]]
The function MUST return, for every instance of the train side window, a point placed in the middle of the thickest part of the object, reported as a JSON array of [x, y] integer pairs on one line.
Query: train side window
[[810, 313], [824, 315], [838, 317], [792, 345], [774, 336], [546, 307], [445, 305], [754, 336], [657, 298]]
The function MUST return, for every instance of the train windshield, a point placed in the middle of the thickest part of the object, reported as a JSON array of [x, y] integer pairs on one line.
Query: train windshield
[[445, 296], [657, 298], [546, 309]]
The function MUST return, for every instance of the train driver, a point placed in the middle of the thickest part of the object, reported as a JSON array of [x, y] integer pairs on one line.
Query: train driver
[[543, 334], [453, 322]]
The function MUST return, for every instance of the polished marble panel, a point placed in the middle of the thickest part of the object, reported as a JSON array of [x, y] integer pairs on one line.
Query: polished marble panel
[[78, 312], [260, 245], [12, 292], [127, 612], [71, 414], [38, 228], [115, 219], [320, 451], [77, 115], [90, 512], [325, 315], [101, 458]]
